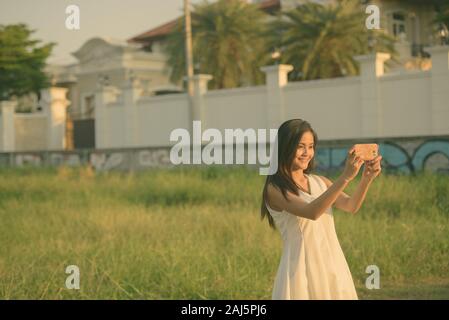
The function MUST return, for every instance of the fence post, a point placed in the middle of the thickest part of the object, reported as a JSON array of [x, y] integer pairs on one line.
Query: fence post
[[103, 96], [55, 107], [7, 127], [132, 91], [440, 89], [200, 82], [371, 68], [276, 79]]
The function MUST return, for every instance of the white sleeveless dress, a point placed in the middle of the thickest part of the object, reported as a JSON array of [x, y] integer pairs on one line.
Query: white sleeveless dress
[[313, 265]]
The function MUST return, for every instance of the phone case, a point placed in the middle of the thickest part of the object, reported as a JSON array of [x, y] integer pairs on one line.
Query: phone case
[[367, 151]]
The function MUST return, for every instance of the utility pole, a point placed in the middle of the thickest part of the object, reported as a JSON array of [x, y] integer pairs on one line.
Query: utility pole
[[188, 40]]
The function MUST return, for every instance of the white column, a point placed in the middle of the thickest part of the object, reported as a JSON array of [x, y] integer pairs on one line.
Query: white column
[[371, 68], [132, 91], [440, 89], [404, 50], [198, 112], [7, 127], [103, 96], [276, 79], [55, 106]]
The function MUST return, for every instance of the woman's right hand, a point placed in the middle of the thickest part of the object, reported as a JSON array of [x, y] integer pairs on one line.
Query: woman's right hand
[[352, 166]]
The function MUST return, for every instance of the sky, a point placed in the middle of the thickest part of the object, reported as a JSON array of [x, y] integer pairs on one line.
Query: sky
[[119, 19]]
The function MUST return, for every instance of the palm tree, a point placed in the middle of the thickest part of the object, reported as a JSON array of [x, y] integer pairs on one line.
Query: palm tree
[[441, 21], [442, 9], [227, 43], [321, 40]]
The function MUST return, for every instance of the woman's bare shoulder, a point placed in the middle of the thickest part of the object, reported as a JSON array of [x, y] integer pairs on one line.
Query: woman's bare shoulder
[[274, 196], [291, 203]]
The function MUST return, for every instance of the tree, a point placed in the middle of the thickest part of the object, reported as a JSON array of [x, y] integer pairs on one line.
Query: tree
[[227, 43], [21, 62], [442, 11], [321, 40], [442, 17]]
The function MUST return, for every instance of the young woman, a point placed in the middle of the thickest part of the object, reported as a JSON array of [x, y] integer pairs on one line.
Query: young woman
[[299, 204]]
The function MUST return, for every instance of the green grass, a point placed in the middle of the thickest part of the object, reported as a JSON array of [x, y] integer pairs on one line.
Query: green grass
[[195, 233]]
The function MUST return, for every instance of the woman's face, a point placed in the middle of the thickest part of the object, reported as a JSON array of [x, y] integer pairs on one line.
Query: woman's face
[[304, 151]]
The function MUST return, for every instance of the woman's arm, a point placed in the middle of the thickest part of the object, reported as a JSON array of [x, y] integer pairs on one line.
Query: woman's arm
[[359, 195], [313, 210], [342, 201], [371, 170], [352, 203]]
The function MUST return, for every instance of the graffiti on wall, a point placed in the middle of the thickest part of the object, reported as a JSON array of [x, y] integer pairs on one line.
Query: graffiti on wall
[[155, 158], [406, 156], [130, 159], [102, 161]]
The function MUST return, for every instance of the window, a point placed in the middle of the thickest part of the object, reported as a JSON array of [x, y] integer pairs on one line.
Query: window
[[89, 107], [398, 24]]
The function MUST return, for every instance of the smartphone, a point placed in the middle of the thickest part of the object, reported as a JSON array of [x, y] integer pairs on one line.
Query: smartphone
[[366, 151]]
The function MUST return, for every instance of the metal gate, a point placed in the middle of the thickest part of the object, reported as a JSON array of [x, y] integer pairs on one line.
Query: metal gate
[[84, 133]]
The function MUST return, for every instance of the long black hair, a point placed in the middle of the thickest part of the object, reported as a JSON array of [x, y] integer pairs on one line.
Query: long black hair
[[288, 136]]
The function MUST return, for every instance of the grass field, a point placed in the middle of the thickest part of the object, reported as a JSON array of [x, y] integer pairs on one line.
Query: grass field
[[192, 233]]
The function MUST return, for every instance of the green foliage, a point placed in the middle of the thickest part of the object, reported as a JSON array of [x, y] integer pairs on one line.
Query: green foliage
[[442, 16], [232, 40], [22, 61], [321, 40], [442, 8], [227, 43]]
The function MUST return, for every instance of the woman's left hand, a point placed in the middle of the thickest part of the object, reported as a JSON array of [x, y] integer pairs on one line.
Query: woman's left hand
[[372, 168]]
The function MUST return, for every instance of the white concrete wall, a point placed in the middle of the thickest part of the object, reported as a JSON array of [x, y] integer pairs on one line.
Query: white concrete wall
[[115, 117], [41, 130], [30, 132], [329, 105], [407, 103], [235, 108], [158, 116], [7, 137], [372, 105], [125, 118]]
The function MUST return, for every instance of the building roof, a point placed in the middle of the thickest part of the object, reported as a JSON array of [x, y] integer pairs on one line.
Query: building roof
[[157, 32], [270, 4], [164, 29]]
